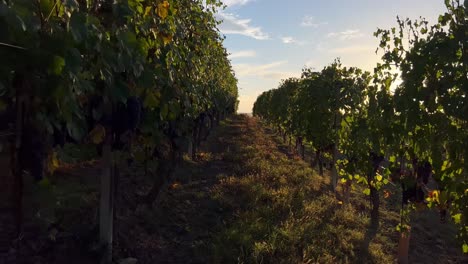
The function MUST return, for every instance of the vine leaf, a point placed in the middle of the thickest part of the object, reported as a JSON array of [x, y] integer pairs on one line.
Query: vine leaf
[[147, 11], [152, 100], [57, 65], [166, 38], [163, 9], [97, 135]]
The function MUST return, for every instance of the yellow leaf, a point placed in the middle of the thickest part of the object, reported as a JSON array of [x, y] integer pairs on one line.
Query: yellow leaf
[[98, 134], [166, 38], [163, 9], [147, 11], [434, 196], [53, 162], [457, 218], [379, 177], [340, 202]]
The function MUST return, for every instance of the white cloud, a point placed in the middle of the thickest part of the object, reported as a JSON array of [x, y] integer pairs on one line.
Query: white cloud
[[265, 71], [347, 34], [242, 54], [230, 3], [232, 24], [288, 40], [309, 21], [291, 40]]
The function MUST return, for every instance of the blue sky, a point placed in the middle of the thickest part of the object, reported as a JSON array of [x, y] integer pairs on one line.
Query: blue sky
[[270, 40]]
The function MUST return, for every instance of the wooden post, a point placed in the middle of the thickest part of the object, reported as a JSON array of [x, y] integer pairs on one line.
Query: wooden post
[[334, 171], [403, 247], [106, 208]]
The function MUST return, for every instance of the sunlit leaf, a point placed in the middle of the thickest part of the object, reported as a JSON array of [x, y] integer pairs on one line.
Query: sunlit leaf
[[457, 218], [147, 11], [163, 9], [379, 177], [166, 38], [366, 191]]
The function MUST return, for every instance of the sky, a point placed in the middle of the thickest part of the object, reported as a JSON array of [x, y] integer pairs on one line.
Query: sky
[[271, 40]]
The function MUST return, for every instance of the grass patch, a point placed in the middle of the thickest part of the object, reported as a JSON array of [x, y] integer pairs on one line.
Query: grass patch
[[283, 212]]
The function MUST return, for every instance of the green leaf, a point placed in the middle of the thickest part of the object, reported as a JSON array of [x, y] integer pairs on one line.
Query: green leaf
[[444, 165], [465, 248], [77, 26], [151, 100], [366, 191], [16, 21], [147, 11], [57, 65], [457, 218], [164, 111]]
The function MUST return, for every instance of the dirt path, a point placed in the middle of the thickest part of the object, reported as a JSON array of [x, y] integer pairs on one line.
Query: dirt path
[[247, 199], [177, 229], [250, 199]]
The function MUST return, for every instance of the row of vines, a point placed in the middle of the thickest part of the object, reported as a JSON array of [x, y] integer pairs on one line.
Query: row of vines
[[139, 78], [406, 122]]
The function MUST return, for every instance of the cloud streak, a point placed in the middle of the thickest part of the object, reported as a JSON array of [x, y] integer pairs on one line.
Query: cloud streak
[[346, 35], [291, 40], [232, 24], [309, 21]]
